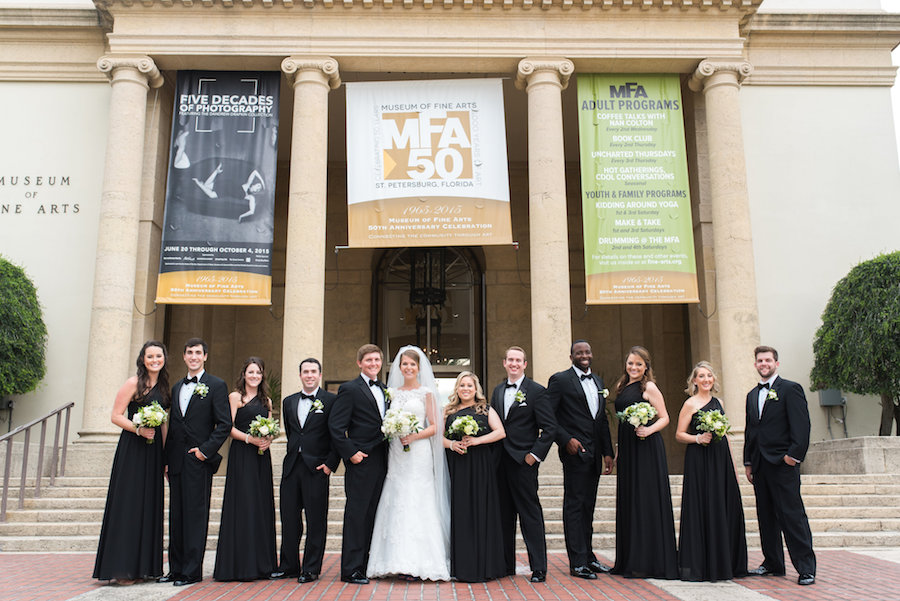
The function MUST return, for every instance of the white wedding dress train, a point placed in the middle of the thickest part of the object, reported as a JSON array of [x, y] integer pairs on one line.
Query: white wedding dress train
[[409, 535]]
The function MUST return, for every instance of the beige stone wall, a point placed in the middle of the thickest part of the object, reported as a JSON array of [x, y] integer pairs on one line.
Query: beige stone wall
[[54, 131]]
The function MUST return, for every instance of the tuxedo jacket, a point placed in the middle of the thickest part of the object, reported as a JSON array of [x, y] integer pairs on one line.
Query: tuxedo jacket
[[313, 437], [355, 421], [574, 420], [206, 425], [783, 427], [530, 425]]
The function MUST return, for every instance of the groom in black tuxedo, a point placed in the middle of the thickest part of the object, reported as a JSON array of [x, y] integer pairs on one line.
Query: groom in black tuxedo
[[199, 422], [775, 442], [529, 423], [308, 465], [585, 450], [355, 425]]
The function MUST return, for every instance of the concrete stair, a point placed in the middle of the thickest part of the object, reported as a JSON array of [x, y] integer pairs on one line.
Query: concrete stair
[[844, 511]]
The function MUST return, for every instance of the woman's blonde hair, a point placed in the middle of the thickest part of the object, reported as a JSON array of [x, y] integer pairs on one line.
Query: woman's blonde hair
[[691, 389], [481, 404]]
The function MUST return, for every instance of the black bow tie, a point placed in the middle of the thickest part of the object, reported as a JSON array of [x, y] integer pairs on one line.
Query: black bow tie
[[189, 380], [374, 383], [508, 385], [303, 395], [764, 385], [585, 377]]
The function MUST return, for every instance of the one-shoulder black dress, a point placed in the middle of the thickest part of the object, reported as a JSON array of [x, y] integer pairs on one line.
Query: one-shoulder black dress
[[131, 537], [713, 544], [645, 527]]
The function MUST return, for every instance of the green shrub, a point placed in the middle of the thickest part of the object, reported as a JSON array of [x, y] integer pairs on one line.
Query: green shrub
[[23, 335]]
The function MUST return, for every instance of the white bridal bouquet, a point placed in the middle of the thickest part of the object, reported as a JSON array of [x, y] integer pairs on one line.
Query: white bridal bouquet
[[639, 414], [150, 416], [714, 421], [264, 427], [399, 423]]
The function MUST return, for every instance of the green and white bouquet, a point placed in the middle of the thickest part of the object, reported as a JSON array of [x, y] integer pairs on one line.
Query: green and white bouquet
[[399, 423], [264, 427], [150, 416], [714, 421], [464, 425], [639, 414]]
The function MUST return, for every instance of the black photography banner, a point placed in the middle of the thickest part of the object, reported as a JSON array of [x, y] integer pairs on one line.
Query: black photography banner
[[220, 193]]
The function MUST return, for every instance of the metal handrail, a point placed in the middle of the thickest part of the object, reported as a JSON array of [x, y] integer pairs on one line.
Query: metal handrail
[[59, 455]]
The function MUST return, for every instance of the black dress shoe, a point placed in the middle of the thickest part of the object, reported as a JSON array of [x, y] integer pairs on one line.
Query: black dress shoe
[[763, 571], [356, 578], [583, 572], [806, 579], [305, 577], [599, 568], [168, 578], [538, 576], [186, 581], [279, 574]]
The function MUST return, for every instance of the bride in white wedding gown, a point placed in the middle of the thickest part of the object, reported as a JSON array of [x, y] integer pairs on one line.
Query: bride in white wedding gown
[[411, 539]]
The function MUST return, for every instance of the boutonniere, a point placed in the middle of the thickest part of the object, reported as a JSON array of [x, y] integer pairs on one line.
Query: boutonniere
[[772, 396], [201, 390], [519, 398], [317, 406], [604, 393], [389, 394]]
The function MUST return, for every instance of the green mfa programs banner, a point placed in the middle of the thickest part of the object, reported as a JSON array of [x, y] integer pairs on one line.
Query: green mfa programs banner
[[638, 235]]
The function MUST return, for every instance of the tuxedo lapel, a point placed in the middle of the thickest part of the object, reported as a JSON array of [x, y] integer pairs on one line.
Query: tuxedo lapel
[[367, 390], [176, 399], [579, 390], [776, 383]]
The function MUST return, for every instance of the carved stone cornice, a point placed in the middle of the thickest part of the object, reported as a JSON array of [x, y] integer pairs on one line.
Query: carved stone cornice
[[708, 68], [562, 68], [327, 67], [113, 66]]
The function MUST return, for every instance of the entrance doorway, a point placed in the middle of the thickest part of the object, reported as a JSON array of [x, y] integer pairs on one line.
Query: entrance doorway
[[433, 298]]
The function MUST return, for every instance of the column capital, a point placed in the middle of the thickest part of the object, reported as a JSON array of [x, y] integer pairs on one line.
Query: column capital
[[323, 66], [113, 65], [732, 72], [559, 67]]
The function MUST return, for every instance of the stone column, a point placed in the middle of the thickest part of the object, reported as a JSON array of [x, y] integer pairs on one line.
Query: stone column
[[304, 279], [110, 359], [543, 79], [733, 245]]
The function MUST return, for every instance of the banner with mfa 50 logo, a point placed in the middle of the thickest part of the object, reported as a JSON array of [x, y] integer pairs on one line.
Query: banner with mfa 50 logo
[[426, 164]]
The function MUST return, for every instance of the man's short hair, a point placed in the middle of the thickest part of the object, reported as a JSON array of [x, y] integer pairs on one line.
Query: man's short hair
[[196, 342], [366, 349], [311, 360], [579, 341], [765, 349], [516, 348]]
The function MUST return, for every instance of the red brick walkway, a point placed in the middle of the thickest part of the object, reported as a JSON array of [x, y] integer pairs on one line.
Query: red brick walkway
[[843, 575]]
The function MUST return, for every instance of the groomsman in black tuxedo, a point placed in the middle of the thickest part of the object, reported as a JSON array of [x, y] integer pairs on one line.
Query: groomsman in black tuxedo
[[355, 425], [530, 425], [199, 422], [308, 465], [586, 451], [775, 442]]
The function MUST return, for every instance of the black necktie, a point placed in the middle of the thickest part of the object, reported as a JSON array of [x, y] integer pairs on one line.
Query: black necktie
[[585, 377], [763, 385], [508, 385], [189, 380], [303, 395]]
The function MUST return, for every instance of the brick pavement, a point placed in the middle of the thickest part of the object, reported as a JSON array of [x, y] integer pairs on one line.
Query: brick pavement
[[843, 576]]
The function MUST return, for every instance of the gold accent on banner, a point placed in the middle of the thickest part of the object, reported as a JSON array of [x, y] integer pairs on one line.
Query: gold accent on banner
[[650, 287], [432, 221], [214, 288]]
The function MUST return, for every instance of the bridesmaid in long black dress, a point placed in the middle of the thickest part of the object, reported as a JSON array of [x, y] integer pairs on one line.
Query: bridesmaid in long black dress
[[131, 537], [476, 543], [713, 543], [246, 549], [645, 527]]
